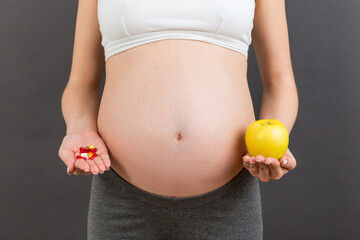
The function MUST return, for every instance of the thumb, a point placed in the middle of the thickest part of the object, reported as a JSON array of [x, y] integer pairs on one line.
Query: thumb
[[288, 163], [69, 160]]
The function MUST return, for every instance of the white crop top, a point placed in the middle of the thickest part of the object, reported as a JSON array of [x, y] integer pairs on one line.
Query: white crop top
[[125, 24]]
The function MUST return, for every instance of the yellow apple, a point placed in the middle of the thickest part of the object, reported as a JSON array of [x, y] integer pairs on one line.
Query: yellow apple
[[267, 137]]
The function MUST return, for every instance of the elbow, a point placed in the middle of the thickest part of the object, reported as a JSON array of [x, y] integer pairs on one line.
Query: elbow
[[279, 81]]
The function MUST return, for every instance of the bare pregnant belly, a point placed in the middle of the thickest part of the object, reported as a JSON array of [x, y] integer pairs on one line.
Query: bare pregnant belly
[[173, 115]]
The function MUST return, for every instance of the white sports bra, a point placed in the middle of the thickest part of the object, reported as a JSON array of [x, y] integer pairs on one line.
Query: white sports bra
[[125, 24]]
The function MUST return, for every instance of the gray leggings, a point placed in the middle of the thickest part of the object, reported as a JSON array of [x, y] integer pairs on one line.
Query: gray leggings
[[120, 210]]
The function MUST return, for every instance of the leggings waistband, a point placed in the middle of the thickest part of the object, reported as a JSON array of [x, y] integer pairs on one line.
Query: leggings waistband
[[166, 201]]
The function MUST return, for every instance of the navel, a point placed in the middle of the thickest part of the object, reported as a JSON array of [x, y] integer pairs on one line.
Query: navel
[[179, 137]]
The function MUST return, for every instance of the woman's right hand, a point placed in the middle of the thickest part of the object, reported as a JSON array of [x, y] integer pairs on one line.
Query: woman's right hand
[[70, 147]]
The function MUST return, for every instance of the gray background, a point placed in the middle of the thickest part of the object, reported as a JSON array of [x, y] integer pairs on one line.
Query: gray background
[[318, 200]]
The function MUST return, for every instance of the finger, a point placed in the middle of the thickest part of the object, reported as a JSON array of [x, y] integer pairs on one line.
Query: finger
[[100, 164], [275, 169], [86, 173], [93, 167], [246, 164], [77, 172], [68, 157], [254, 167], [288, 161], [246, 156], [259, 158], [264, 173], [81, 172], [106, 159], [82, 165]]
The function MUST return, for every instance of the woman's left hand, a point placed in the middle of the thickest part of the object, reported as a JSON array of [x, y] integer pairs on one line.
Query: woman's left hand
[[267, 169]]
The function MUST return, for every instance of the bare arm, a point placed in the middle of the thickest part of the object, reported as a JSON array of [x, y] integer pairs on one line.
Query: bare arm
[[80, 99], [271, 45], [280, 98]]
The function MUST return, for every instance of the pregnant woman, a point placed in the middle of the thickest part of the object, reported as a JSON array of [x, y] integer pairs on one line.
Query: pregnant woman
[[170, 125]]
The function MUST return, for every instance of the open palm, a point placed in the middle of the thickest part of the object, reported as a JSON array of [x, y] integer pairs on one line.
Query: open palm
[[70, 147]]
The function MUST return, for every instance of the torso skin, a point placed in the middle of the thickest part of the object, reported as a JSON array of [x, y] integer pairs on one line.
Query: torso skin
[[173, 115]]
